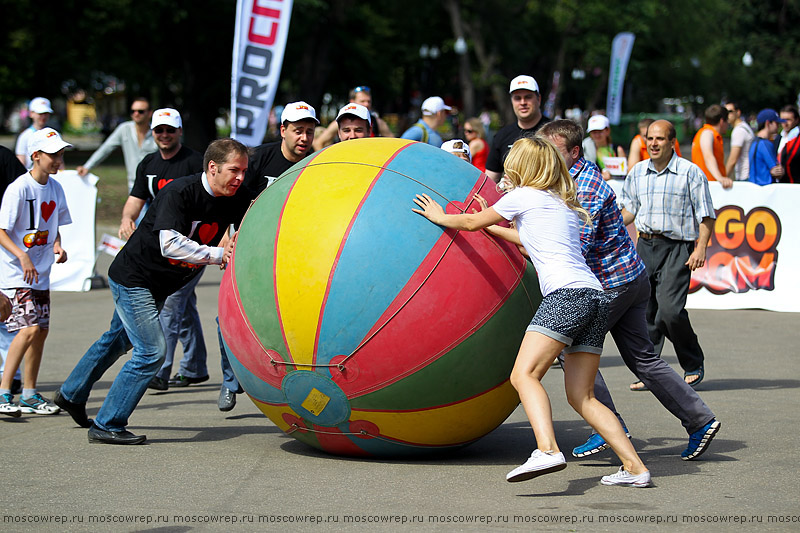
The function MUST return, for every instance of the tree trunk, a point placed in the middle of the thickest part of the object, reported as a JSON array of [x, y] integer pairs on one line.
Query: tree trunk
[[464, 69]]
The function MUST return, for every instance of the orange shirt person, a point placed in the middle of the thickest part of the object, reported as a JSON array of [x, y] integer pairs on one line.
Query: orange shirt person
[[707, 149]]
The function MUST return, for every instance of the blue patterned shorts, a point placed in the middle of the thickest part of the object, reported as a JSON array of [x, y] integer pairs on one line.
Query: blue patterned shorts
[[576, 317]]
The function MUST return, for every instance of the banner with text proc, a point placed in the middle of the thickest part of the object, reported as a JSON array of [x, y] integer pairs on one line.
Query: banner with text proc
[[258, 48]]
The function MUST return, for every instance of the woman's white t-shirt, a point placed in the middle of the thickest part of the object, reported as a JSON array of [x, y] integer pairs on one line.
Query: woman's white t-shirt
[[550, 232]]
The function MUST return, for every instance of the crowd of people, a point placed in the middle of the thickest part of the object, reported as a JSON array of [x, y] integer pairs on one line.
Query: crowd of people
[[565, 217]]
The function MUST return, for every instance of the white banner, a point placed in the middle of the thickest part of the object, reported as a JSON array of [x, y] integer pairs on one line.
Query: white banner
[[621, 48], [76, 238], [753, 259], [258, 47]]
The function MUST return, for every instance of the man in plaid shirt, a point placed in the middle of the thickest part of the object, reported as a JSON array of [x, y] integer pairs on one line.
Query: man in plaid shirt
[[610, 253]]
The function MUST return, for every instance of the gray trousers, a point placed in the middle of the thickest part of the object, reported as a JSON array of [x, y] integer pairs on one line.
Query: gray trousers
[[628, 328], [665, 261]]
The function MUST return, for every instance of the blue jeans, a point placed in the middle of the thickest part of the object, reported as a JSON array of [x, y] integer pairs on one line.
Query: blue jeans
[[181, 321], [228, 377], [134, 324]]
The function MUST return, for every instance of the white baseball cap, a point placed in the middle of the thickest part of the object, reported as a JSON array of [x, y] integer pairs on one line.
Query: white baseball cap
[[597, 123], [166, 117], [40, 105], [457, 146], [523, 82], [46, 140], [298, 111], [433, 105], [357, 110]]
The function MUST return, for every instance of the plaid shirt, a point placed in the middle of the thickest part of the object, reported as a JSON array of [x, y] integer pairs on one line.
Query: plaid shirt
[[606, 245], [672, 202]]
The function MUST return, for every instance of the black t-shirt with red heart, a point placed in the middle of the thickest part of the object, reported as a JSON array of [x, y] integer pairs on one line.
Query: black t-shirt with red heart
[[186, 207], [154, 172]]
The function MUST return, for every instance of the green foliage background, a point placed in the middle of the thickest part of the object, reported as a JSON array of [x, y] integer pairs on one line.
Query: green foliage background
[[178, 52]]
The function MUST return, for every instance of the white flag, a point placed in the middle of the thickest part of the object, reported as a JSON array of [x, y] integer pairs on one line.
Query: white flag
[[259, 44], [621, 48]]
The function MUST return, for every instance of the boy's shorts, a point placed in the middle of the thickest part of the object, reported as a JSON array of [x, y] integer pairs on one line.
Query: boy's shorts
[[576, 317], [29, 307]]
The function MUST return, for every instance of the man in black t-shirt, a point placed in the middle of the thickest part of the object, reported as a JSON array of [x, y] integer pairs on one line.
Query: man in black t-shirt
[[267, 163], [298, 122], [178, 234], [526, 101], [179, 317]]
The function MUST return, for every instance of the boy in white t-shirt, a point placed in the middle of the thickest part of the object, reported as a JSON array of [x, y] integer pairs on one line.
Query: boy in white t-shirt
[[33, 208]]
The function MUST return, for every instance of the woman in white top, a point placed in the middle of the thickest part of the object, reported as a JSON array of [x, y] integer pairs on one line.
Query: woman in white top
[[572, 315]]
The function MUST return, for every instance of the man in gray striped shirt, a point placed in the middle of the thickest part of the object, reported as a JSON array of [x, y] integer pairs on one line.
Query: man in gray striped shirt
[[668, 199]]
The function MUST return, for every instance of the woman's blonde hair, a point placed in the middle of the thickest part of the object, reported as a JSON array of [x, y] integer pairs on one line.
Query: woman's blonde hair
[[536, 162]]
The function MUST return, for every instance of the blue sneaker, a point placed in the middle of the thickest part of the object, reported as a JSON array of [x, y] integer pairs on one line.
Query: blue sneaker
[[700, 439], [594, 445]]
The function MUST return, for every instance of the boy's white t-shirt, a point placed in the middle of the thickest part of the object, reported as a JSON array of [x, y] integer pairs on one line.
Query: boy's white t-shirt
[[550, 232], [31, 214]]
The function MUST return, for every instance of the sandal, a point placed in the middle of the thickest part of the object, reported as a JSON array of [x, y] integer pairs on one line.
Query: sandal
[[700, 373], [638, 386]]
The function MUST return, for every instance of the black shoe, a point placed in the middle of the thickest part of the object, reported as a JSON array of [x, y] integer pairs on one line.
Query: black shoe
[[227, 399], [76, 410], [158, 383], [184, 381], [100, 436], [16, 386]]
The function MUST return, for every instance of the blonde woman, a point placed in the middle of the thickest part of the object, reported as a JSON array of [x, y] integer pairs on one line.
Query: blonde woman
[[475, 135], [572, 316]]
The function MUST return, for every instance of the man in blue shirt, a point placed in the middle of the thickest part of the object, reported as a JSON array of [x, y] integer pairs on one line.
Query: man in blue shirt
[[610, 253], [434, 113], [764, 167]]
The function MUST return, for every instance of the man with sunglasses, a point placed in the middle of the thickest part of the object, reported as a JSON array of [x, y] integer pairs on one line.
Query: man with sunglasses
[[179, 317], [133, 136]]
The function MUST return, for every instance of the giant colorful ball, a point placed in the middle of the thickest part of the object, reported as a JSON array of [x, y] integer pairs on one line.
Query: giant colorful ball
[[359, 327]]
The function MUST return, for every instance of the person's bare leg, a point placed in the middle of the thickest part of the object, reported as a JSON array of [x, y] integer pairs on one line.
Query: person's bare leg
[[536, 354], [16, 352], [580, 369], [33, 357]]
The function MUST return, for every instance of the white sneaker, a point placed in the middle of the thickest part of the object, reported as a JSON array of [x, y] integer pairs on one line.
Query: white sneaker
[[626, 479], [538, 464], [39, 405], [8, 407]]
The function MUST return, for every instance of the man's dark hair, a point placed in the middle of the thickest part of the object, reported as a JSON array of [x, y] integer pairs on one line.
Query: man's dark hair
[[222, 150], [714, 113], [142, 99], [791, 109], [569, 130]]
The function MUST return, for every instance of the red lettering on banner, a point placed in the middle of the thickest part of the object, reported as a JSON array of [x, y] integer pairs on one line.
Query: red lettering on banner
[[269, 39], [742, 254]]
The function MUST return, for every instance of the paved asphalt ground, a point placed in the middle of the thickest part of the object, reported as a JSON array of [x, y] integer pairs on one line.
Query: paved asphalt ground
[[203, 470]]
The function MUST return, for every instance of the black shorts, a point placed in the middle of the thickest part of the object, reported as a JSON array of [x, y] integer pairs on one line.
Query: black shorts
[[576, 317]]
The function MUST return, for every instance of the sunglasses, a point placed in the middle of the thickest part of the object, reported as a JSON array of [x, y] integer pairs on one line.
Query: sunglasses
[[161, 129], [468, 131], [361, 89], [139, 111]]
